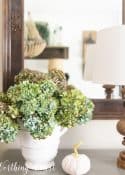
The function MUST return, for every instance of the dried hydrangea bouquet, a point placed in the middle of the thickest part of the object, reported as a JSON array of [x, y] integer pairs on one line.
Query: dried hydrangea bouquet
[[41, 105]]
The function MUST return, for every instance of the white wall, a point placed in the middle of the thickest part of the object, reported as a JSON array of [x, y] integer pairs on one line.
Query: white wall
[[94, 135], [77, 16]]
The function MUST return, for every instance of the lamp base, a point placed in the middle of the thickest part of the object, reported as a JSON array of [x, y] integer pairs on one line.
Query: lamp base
[[121, 130], [108, 90], [121, 160]]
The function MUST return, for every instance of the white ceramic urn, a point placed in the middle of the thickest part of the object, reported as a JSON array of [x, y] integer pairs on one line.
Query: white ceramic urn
[[40, 154]]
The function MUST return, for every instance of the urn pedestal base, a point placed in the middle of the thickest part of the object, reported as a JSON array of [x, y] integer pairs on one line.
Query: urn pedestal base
[[45, 166], [40, 154]]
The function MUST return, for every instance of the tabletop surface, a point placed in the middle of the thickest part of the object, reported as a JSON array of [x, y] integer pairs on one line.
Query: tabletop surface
[[103, 162]]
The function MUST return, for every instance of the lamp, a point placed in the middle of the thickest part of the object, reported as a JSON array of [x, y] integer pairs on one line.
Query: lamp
[[88, 71], [109, 67], [109, 64]]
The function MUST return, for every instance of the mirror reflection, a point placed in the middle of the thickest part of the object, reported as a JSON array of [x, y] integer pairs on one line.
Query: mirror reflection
[[72, 24]]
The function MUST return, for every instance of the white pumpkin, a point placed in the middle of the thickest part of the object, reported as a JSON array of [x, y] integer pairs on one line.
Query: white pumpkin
[[76, 164]]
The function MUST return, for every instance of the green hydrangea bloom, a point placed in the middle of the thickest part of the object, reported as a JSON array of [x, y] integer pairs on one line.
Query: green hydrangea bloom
[[23, 92], [3, 97], [48, 87], [31, 76], [74, 108], [36, 105], [8, 129], [38, 127], [41, 102]]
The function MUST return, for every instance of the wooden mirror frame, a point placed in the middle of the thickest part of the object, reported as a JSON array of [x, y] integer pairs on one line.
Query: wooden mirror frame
[[14, 61], [12, 40]]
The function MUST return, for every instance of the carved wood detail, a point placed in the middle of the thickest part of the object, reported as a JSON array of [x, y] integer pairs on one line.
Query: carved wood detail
[[108, 90], [15, 21]]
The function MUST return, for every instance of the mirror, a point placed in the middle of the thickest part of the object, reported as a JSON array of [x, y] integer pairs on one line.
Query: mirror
[[94, 19], [75, 19]]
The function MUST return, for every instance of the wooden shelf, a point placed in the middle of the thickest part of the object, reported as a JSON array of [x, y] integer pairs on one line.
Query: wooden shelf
[[52, 52]]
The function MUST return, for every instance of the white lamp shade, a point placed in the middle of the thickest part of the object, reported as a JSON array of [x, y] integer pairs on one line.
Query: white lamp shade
[[90, 56], [109, 65]]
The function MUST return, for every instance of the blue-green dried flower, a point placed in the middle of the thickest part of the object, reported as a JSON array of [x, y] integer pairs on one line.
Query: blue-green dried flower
[[31, 76], [29, 107], [41, 102], [36, 105], [9, 110], [8, 129], [48, 87], [74, 108], [38, 127], [23, 92], [47, 106]]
